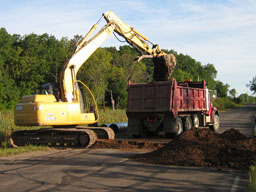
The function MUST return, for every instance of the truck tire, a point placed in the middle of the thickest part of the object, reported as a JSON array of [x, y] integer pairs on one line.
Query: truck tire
[[216, 123], [195, 121], [176, 127], [187, 123]]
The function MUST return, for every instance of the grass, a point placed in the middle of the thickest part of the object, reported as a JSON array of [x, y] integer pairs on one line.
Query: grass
[[7, 126], [109, 116], [13, 151], [252, 178], [223, 104], [252, 171]]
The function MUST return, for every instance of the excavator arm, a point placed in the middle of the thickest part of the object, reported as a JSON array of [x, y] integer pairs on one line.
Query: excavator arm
[[164, 64], [133, 37], [87, 46]]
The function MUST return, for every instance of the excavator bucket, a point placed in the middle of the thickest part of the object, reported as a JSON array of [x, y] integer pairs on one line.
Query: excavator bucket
[[163, 67]]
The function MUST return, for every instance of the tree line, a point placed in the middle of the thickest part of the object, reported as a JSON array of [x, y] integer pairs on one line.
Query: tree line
[[28, 61]]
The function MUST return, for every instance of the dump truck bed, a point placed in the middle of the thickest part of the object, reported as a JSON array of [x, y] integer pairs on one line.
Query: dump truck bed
[[167, 96]]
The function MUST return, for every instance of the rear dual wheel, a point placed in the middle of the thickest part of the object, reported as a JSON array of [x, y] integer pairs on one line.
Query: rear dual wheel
[[187, 122], [191, 121], [195, 121], [176, 127], [179, 124]]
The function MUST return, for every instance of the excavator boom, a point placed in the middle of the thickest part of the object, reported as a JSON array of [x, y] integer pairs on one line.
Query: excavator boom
[[83, 51]]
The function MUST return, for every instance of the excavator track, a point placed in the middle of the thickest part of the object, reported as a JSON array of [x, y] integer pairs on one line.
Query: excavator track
[[102, 132], [61, 137]]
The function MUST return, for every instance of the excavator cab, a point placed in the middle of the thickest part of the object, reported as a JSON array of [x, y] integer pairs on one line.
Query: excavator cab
[[48, 89]]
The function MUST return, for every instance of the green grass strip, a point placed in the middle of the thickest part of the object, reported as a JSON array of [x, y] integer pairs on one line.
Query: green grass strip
[[252, 171], [14, 151], [252, 178]]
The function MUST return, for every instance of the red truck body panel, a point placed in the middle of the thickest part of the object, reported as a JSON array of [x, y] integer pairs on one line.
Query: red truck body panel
[[167, 96]]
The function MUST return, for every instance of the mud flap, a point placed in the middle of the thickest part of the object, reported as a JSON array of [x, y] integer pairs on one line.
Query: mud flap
[[167, 125], [134, 126]]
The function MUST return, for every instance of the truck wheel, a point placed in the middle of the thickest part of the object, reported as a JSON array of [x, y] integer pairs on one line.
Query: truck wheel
[[176, 127], [195, 120], [187, 123], [216, 123], [179, 126]]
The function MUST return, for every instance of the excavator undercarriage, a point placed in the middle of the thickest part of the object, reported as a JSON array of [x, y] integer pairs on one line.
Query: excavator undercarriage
[[61, 137]]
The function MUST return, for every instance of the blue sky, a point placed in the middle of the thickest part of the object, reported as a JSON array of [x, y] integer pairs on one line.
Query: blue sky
[[219, 32]]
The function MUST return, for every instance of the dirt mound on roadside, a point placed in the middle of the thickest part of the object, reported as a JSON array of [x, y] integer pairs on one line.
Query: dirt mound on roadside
[[205, 148], [129, 145]]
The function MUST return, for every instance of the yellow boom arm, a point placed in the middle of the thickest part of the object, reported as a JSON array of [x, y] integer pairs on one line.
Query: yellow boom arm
[[87, 47]]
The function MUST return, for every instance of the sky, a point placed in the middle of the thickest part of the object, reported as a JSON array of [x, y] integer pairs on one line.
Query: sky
[[219, 32]]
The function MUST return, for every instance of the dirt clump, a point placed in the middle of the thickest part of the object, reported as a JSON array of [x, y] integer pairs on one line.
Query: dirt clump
[[205, 148], [163, 67]]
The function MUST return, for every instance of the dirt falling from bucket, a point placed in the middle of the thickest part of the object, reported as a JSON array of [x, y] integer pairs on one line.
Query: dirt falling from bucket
[[163, 67]]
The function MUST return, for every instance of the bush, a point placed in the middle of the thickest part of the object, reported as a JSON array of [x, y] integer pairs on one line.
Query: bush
[[224, 103]]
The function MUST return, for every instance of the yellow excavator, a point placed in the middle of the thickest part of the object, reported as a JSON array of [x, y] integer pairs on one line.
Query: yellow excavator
[[60, 109]]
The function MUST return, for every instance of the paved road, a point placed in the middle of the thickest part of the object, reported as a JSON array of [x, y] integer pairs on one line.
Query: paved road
[[240, 118], [109, 170]]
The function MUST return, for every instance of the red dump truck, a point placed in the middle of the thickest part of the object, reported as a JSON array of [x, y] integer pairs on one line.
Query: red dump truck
[[169, 106]]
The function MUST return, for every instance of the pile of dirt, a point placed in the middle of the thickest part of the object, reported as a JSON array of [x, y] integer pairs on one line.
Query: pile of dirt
[[129, 145], [205, 148]]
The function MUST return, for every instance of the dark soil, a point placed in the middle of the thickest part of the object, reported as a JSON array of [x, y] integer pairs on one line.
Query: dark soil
[[129, 145], [205, 148]]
